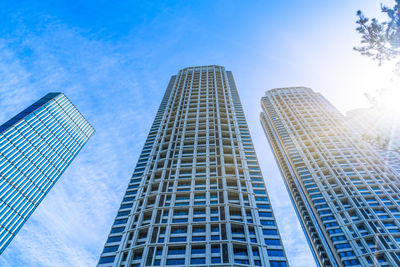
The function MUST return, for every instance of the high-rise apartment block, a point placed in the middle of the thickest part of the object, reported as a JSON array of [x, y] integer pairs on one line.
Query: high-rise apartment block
[[197, 196], [36, 146], [346, 196]]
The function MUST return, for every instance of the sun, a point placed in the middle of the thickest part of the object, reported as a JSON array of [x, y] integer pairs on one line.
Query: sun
[[388, 99]]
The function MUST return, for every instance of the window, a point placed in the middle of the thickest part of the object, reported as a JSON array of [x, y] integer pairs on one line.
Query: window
[[126, 199], [240, 251], [107, 259], [198, 212], [346, 254], [179, 220], [198, 238], [215, 249], [137, 255], [177, 239], [272, 242], [175, 261], [176, 251], [110, 249], [125, 206], [117, 230], [337, 238], [198, 261], [342, 246], [120, 221], [267, 223], [199, 229], [123, 213], [216, 237], [198, 250], [278, 264], [269, 232], [351, 262], [240, 261], [275, 252], [179, 230], [215, 260], [255, 252], [180, 212], [257, 263], [114, 239]]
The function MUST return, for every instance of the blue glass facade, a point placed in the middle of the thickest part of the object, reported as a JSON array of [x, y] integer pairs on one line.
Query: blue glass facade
[[36, 146]]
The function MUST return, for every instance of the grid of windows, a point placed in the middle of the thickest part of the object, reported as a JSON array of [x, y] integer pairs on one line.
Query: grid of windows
[[36, 146], [346, 196], [197, 196]]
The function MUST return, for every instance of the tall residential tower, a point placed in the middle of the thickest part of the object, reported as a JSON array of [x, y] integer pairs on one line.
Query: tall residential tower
[[197, 196], [346, 196], [36, 146]]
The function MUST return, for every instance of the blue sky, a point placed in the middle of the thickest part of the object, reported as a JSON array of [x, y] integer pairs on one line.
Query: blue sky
[[113, 59]]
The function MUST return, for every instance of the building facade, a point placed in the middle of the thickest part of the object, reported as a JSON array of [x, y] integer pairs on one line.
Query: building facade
[[346, 197], [36, 146], [197, 196]]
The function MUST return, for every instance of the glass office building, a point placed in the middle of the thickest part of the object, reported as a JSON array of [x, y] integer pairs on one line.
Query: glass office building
[[346, 196], [197, 196], [36, 146]]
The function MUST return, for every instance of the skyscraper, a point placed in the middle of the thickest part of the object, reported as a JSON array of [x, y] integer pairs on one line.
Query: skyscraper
[[346, 197], [36, 146], [197, 196]]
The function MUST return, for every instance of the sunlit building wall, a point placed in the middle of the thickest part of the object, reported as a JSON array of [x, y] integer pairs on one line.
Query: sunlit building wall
[[197, 196], [36, 146], [346, 197]]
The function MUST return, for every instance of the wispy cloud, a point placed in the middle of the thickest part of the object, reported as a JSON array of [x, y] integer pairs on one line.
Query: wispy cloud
[[117, 84], [13, 82], [70, 226]]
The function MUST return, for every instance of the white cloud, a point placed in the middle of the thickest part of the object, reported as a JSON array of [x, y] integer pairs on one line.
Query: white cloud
[[71, 224], [117, 86]]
